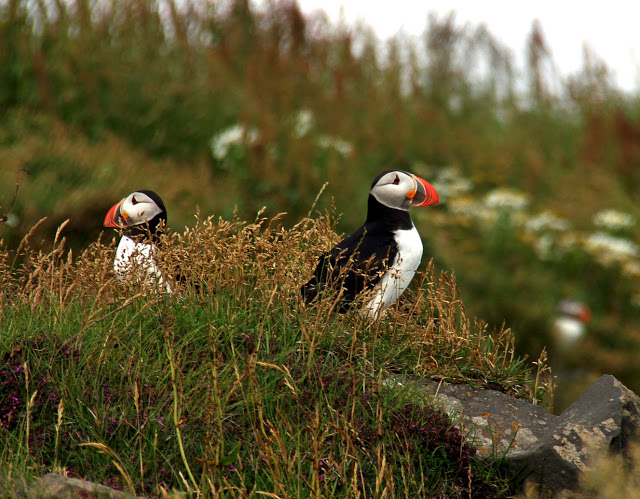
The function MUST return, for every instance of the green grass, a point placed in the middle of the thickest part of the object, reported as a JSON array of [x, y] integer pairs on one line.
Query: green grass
[[238, 389], [99, 100]]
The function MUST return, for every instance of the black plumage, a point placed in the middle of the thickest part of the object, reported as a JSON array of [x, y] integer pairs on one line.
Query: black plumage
[[358, 262]]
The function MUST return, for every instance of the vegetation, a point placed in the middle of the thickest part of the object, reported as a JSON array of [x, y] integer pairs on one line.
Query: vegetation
[[236, 387], [228, 109]]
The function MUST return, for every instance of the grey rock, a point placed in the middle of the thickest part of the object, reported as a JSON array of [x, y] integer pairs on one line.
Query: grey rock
[[495, 422], [551, 451], [605, 418], [61, 487]]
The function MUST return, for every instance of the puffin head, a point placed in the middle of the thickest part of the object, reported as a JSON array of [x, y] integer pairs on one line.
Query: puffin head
[[140, 212], [574, 309], [401, 190]]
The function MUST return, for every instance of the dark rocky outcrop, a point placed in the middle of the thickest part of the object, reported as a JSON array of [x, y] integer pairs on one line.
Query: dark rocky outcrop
[[550, 451]]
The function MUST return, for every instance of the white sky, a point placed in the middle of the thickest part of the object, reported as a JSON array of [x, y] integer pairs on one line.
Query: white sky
[[611, 29]]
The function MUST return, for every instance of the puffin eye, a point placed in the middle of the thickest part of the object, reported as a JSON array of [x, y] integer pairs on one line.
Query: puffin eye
[[396, 180], [134, 201]]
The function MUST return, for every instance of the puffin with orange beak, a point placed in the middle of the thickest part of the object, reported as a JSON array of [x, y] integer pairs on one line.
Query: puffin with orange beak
[[382, 256], [141, 217]]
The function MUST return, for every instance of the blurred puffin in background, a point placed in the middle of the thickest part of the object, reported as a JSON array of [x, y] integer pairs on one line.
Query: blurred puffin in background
[[383, 255], [569, 323], [141, 217]]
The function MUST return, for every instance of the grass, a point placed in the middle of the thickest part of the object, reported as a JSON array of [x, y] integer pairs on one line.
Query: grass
[[97, 99], [236, 388]]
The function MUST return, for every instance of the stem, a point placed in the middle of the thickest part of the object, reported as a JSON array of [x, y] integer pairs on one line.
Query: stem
[[176, 415]]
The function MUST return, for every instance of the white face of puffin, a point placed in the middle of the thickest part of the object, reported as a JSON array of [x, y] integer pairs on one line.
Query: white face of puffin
[[400, 190], [136, 209], [135, 258]]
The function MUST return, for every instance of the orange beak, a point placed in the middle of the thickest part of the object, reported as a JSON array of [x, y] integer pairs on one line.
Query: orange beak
[[585, 315], [424, 194], [116, 218]]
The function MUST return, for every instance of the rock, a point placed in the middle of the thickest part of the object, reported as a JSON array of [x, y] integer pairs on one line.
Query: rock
[[606, 417], [550, 451], [495, 422], [61, 487]]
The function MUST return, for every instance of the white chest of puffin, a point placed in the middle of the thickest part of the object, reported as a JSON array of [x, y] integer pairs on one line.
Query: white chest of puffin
[[382, 256], [569, 326], [141, 216]]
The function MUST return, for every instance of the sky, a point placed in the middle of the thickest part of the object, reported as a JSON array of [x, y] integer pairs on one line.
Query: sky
[[610, 29]]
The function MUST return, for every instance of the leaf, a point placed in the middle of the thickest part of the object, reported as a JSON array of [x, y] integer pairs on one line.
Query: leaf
[[232, 456]]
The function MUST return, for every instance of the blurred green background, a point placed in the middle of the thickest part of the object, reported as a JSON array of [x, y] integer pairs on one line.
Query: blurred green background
[[220, 107]]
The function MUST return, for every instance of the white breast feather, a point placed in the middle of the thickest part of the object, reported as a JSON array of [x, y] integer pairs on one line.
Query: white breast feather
[[137, 261], [568, 331], [399, 275]]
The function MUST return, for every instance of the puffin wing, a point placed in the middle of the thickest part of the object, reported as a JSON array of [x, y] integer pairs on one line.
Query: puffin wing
[[355, 264]]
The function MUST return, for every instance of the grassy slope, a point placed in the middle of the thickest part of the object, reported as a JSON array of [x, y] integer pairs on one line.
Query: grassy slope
[[240, 389]]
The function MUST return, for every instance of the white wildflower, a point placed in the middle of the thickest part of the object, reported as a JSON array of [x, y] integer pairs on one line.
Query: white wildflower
[[614, 220], [504, 198], [303, 121], [450, 184], [543, 247], [609, 249], [234, 135], [339, 145], [567, 241], [449, 174], [546, 221], [466, 206]]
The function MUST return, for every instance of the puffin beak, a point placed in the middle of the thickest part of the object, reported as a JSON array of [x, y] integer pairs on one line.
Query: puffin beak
[[116, 218], [585, 315], [424, 194]]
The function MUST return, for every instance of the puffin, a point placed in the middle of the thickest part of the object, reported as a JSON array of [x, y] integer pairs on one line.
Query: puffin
[[142, 217], [569, 324], [382, 256]]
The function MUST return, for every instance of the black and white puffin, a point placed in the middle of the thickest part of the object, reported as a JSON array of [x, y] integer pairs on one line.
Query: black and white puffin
[[569, 324], [383, 255], [142, 217]]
